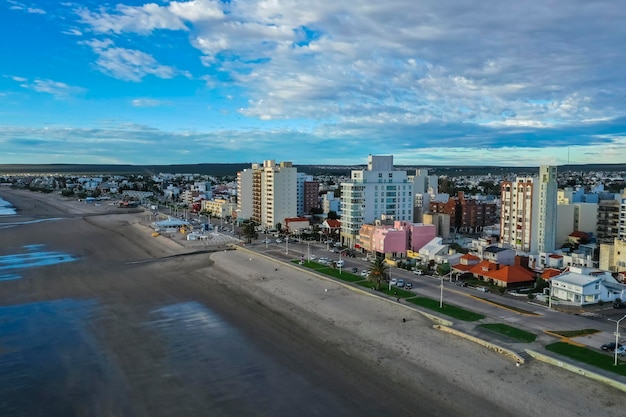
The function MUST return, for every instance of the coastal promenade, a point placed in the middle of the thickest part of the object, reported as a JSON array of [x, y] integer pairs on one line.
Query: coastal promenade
[[156, 326]]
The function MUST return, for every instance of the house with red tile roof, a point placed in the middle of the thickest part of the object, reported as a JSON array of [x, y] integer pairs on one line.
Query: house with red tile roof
[[550, 273], [506, 276], [466, 262]]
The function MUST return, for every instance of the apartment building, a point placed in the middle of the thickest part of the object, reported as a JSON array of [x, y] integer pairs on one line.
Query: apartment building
[[608, 220], [378, 192], [267, 193], [467, 215], [528, 219]]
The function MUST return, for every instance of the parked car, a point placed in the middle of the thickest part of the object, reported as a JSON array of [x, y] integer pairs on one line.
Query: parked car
[[408, 285], [400, 283], [364, 273], [610, 347], [312, 257], [323, 260], [279, 241], [482, 289], [355, 269], [621, 350], [267, 240], [340, 263], [418, 272], [619, 304], [460, 283], [393, 281]]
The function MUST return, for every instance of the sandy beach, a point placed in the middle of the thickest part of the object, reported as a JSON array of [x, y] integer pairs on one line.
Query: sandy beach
[[327, 350]]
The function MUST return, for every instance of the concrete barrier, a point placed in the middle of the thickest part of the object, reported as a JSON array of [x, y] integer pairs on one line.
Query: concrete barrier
[[499, 349], [577, 369]]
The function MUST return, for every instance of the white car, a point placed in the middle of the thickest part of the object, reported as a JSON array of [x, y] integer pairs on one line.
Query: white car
[[312, 257], [418, 272], [341, 263], [364, 273], [393, 281], [267, 241], [621, 350], [279, 241]]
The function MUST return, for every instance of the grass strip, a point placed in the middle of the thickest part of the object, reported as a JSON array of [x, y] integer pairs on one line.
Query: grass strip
[[326, 270], [394, 292], [510, 331], [447, 309], [589, 356]]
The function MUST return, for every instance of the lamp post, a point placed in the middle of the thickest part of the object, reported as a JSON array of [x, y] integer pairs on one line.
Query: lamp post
[[617, 336], [441, 294], [550, 295], [266, 238], [308, 250], [287, 244]]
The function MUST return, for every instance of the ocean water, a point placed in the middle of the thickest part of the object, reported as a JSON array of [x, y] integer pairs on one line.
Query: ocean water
[[6, 208]]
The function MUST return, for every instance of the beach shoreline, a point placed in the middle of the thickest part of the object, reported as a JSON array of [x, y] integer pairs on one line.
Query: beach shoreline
[[347, 334]]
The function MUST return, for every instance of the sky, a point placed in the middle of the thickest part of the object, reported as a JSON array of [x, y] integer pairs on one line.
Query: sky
[[430, 82]]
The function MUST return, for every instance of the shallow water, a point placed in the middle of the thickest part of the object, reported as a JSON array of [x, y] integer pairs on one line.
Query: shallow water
[[33, 257], [6, 208]]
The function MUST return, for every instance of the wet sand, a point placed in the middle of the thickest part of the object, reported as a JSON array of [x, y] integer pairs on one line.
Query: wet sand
[[220, 334]]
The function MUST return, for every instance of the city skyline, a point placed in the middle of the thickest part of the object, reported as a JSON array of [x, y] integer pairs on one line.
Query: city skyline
[[186, 82]]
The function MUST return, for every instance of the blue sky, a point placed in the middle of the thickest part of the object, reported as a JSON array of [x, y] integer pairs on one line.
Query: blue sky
[[313, 82]]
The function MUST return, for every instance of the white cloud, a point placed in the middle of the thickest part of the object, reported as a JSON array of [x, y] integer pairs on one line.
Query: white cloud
[[147, 102], [55, 88], [151, 16], [128, 64], [73, 32]]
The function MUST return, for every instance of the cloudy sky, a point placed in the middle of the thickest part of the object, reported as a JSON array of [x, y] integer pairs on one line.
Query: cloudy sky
[[431, 82]]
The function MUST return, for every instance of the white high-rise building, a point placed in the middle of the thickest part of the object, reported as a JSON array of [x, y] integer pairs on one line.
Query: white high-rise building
[[528, 212], [267, 194], [377, 193], [546, 223]]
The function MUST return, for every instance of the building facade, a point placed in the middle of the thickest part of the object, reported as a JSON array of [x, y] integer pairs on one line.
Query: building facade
[[267, 193], [378, 192], [528, 214]]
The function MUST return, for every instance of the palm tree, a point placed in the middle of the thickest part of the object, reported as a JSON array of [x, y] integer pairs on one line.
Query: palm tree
[[249, 231], [378, 272]]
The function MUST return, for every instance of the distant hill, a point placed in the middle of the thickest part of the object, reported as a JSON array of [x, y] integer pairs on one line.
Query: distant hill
[[231, 169]]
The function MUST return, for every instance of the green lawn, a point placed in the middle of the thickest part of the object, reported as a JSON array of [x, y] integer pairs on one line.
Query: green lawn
[[327, 270], [589, 356], [449, 310], [509, 331], [395, 291]]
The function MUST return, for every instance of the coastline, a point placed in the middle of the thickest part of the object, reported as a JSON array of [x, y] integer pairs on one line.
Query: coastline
[[331, 328]]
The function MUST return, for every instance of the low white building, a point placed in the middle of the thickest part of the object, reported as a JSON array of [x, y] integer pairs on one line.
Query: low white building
[[584, 286], [434, 251]]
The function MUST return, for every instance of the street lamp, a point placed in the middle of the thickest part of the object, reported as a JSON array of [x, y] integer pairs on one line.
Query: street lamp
[[308, 251], [617, 336], [287, 244], [265, 238], [441, 295]]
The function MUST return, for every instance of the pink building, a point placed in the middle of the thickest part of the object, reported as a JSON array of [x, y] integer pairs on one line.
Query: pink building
[[397, 239]]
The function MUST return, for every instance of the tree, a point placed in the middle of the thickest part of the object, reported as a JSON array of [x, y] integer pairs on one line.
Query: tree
[[332, 215], [378, 272], [249, 231]]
